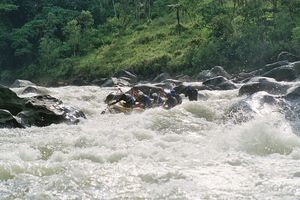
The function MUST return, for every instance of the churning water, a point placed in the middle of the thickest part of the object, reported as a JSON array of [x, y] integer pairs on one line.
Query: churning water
[[190, 152]]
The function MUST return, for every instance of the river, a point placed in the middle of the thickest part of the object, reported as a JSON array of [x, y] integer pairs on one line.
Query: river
[[189, 152]]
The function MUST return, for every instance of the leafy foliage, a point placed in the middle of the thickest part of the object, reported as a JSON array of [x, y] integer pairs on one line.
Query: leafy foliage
[[54, 39]]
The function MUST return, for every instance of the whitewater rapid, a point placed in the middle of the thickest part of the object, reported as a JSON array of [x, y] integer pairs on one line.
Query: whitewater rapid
[[190, 152]]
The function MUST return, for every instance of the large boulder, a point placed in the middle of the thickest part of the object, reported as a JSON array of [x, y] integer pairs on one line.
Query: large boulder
[[268, 85], [10, 101], [219, 83], [40, 110], [293, 93], [283, 73], [22, 83], [44, 110], [34, 90]]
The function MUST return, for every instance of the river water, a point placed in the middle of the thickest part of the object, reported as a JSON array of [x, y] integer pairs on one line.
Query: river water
[[189, 152]]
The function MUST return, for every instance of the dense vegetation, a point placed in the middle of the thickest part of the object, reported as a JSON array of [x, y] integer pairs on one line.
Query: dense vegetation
[[52, 40]]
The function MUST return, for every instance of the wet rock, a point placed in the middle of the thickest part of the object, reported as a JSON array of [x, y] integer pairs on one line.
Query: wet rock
[[113, 81], [7, 120], [40, 110], [284, 55], [296, 66], [283, 73], [10, 101], [35, 90], [219, 83], [161, 77], [22, 83], [271, 66], [268, 85], [220, 71], [173, 81], [127, 75], [214, 72], [44, 110]]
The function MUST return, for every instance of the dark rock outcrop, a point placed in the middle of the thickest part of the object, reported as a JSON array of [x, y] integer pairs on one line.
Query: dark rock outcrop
[[40, 110], [10, 101], [268, 85], [7, 120], [283, 73], [219, 83]]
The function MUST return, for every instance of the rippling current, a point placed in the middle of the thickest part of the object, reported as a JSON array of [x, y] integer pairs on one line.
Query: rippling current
[[189, 152]]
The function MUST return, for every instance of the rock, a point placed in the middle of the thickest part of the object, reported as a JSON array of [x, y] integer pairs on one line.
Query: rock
[[40, 110], [35, 90], [284, 55], [245, 109], [283, 73], [7, 120], [219, 71], [244, 77], [271, 66], [22, 83], [44, 110], [268, 85], [219, 83], [205, 75], [127, 75], [173, 81], [184, 78], [296, 66], [113, 81], [161, 77], [10, 101], [293, 93], [214, 72]]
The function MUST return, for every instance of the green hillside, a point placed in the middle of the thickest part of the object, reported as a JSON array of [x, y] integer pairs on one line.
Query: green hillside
[[50, 41]]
